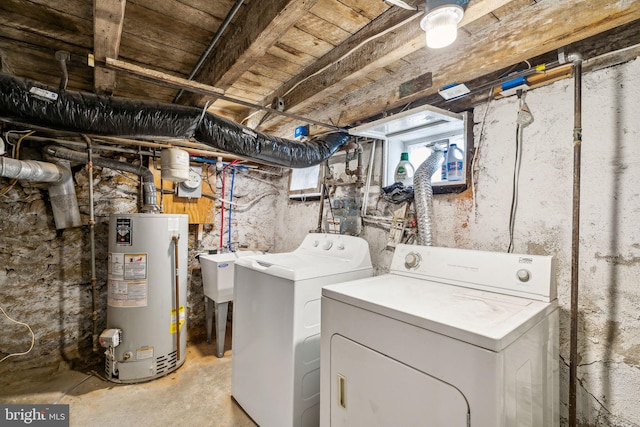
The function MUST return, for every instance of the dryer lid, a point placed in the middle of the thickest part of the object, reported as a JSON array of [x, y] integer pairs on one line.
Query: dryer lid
[[484, 319]]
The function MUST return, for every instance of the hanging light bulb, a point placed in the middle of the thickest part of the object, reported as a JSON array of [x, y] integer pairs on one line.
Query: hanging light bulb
[[441, 21]]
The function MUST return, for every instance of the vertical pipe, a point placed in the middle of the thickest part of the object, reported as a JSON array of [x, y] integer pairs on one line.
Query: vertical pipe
[[222, 211], [321, 208], [575, 237], [92, 243], [175, 239], [367, 185], [233, 179]]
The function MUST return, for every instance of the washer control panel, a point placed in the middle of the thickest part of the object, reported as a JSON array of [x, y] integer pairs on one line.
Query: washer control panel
[[336, 245]]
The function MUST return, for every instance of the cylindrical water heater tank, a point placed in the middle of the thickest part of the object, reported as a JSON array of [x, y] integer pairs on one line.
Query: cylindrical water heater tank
[[142, 335]]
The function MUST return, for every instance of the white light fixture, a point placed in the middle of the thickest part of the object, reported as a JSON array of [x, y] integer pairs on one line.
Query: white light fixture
[[441, 21]]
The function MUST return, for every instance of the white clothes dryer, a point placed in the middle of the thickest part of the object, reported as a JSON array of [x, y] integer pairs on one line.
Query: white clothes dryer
[[449, 338], [276, 326]]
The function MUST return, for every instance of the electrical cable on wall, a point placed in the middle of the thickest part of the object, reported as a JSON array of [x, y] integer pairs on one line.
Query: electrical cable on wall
[[525, 118], [33, 337]]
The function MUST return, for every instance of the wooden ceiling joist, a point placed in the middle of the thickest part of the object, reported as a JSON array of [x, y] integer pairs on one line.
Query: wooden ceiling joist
[[108, 19], [241, 46]]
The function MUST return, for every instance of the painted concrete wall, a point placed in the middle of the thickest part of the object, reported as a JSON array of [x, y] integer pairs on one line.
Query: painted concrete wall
[[609, 344]]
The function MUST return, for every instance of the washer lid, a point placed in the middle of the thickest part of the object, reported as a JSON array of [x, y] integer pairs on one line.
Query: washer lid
[[485, 319], [298, 266]]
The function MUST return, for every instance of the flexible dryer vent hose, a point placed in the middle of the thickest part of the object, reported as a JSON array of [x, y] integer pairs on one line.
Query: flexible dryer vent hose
[[423, 197]]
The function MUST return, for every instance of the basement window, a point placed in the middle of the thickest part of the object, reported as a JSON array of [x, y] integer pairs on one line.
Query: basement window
[[417, 132]]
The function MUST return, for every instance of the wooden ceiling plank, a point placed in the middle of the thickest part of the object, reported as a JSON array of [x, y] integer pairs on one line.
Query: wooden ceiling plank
[[298, 57], [18, 35], [150, 26], [370, 9], [300, 40], [322, 29], [280, 64], [260, 69], [340, 15], [241, 47], [108, 19], [181, 14], [529, 33], [164, 58], [37, 19]]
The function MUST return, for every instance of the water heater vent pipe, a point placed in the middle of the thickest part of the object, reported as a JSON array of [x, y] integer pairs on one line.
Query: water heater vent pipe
[[62, 192], [149, 187]]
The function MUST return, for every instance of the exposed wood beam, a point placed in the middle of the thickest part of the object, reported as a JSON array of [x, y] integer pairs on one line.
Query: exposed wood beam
[[108, 17], [239, 48], [394, 35], [530, 32], [160, 77], [191, 86]]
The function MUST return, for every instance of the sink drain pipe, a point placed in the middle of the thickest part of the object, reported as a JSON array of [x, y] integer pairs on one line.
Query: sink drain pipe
[[575, 237]]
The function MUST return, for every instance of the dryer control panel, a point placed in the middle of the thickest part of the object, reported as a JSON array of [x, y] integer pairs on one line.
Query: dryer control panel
[[529, 276]]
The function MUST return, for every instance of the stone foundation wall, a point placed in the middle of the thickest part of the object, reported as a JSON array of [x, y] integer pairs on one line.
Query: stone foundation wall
[[45, 277]]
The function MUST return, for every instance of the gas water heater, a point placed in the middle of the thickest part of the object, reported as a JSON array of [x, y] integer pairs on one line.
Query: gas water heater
[[147, 296]]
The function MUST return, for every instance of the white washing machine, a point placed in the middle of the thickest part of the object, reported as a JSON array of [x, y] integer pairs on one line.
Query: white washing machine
[[449, 338], [276, 326]]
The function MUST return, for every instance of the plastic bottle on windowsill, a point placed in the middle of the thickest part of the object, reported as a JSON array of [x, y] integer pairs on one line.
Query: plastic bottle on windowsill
[[404, 171], [455, 163]]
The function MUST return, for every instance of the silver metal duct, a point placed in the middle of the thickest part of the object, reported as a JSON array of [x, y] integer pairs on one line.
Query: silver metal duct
[[62, 193], [423, 197], [148, 185], [31, 170]]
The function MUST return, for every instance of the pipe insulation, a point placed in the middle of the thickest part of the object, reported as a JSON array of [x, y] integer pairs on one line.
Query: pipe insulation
[[32, 103], [148, 185], [423, 197], [62, 193]]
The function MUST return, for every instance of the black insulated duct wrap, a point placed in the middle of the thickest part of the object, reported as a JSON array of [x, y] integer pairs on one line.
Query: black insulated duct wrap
[[31, 103]]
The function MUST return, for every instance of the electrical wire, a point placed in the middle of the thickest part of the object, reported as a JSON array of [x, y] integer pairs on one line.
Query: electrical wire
[[33, 337], [524, 118], [514, 192], [15, 155]]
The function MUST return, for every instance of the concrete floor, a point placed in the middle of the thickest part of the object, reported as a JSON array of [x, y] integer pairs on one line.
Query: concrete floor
[[197, 394]]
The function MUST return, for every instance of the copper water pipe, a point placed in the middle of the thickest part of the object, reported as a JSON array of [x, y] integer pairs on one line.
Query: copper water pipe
[[175, 239]]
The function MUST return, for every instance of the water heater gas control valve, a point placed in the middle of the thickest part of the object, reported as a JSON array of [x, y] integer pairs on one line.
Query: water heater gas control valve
[[110, 338]]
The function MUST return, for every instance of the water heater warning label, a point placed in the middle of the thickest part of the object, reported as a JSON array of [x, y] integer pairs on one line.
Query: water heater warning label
[[127, 293], [135, 266], [172, 326]]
